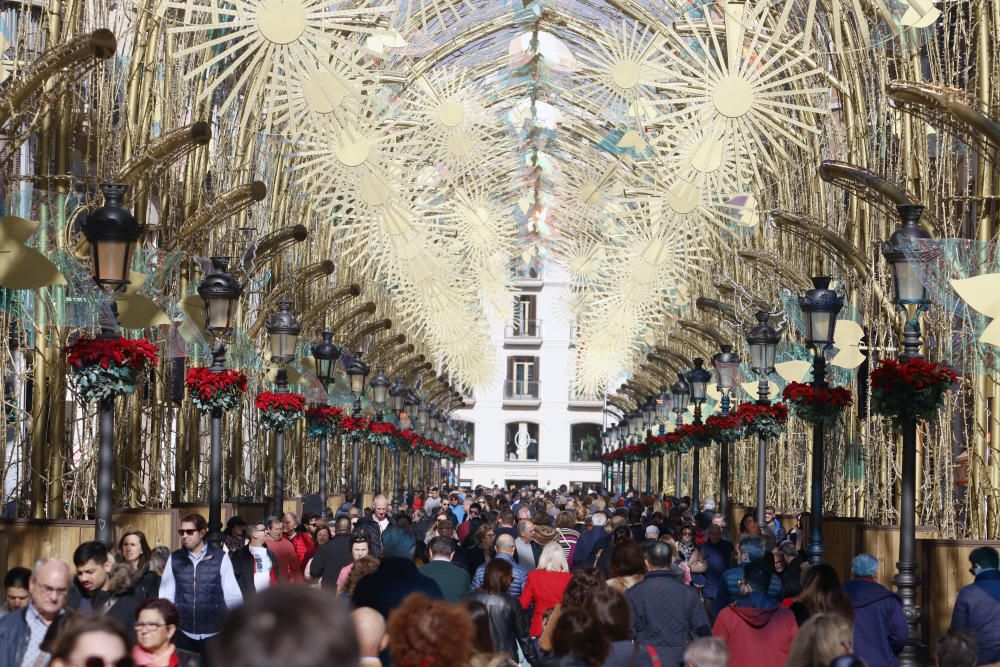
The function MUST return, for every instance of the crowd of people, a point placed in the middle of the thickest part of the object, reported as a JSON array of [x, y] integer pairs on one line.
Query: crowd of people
[[484, 578]]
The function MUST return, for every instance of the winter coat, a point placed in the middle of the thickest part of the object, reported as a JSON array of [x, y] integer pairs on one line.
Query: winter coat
[[305, 548], [880, 629], [330, 559], [758, 632], [118, 602], [516, 586], [384, 589], [371, 527], [542, 591], [508, 627], [588, 544], [14, 635], [148, 585], [453, 580], [717, 556], [245, 566], [666, 614], [729, 588], [977, 608], [628, 653]]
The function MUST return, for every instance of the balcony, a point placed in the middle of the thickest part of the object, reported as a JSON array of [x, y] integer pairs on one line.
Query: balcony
[[523, 276], [579, 400], [521, 394], [523, 332]]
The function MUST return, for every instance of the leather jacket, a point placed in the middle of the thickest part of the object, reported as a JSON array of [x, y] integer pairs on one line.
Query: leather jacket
[[508, 625]]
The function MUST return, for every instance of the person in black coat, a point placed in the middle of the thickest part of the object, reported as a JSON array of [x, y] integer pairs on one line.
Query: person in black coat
[[245, 561], [508, 625], [331, 558], [591, 541], [397, 577], [376, 524], [103, 586]]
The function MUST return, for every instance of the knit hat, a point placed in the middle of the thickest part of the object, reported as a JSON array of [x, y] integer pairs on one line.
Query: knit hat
[[544, 534]]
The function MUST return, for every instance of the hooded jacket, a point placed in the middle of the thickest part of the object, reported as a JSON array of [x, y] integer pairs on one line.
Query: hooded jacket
[[879, 623], [758, 632], [119, 602]]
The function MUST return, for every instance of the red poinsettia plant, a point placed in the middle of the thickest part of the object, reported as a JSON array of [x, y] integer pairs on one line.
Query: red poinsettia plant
[[724, 429], [912, 389], [669, 443], [210, 390], [695, 436], [279, 411], [106, 367], [323, 420], [820, 406], [764, 421]]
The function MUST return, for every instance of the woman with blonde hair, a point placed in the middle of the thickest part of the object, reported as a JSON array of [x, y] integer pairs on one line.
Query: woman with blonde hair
[[545, 585], [820, 640]]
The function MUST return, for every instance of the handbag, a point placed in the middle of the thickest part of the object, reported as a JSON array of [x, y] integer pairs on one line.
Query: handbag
[[698, 564]]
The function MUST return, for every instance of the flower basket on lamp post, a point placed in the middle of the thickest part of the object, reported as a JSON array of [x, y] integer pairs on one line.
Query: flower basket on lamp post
[[103, 368], [764, 421], [818, 406], [323, 421], [279, 412], [913, 389], [210, 390], [724, 429]]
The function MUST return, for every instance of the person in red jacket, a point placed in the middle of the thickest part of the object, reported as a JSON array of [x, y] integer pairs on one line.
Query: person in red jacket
[[305, 546], [545, 585], [757, 630]]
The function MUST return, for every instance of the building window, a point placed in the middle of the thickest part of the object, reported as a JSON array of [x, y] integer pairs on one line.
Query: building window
[[521, 441], [585, 442], [524, 323], [522, 378]]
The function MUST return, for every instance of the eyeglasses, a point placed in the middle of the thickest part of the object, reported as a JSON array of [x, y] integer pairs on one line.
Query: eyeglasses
[[50, 590], [140, 627], [94, 661], [186, 531]]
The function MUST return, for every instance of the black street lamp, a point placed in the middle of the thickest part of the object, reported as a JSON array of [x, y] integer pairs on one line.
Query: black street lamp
[[326, 354], [820, 305], [680, 394], [283, 329], [910, 296], [727, 373], [623, 432], [357, 374], [380, 397], [635, 429], [648, 419], [762, 340], [411, 405], [221, 295], [112, 232], [698, 377], [397, 396], [663, 407]]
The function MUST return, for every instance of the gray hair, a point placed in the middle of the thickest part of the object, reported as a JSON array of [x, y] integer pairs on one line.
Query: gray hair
[[864, 565], [599, 519], [272, 520], [524, 526], [706, 652], [36, 569]]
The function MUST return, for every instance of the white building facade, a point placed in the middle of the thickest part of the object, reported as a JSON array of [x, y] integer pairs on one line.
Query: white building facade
[[528, 426]]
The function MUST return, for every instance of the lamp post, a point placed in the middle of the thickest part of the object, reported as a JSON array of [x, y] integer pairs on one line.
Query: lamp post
[[623, 431], [410, 404], [635, 430], [648, 419], [663, 407], [112, 232], [820, 305], [221, 294], [909, 295], [680, 394], [326, 354], [762, 340], [698, 379], [727, 373], [357, 373], [423, 417], [283, 330], [397, 395], [380, 397]]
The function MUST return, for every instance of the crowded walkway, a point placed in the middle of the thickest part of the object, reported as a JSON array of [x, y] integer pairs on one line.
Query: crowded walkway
[[478, 577]]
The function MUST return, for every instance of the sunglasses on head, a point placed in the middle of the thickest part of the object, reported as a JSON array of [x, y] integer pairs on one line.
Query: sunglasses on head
[[186, 531]]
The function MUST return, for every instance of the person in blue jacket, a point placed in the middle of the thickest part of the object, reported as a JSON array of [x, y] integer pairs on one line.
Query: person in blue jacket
[[977, 606], [880, 629]]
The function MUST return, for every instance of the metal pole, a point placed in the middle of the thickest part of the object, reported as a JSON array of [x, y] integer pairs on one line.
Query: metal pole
[[663, 486], [279, 451], [816, 533], [649, 476], [215, 480], [409, 473], [104, 529], [356, 452], [724, 465], [215, 458], [677, 475], [907, 580], [324, 464], [378, 470], [696, 475], [763, 392], [397, 491]]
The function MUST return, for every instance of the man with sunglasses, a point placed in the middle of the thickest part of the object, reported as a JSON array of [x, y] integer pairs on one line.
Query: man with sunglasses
[[200, 580], [22, 631], [255, 565]]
